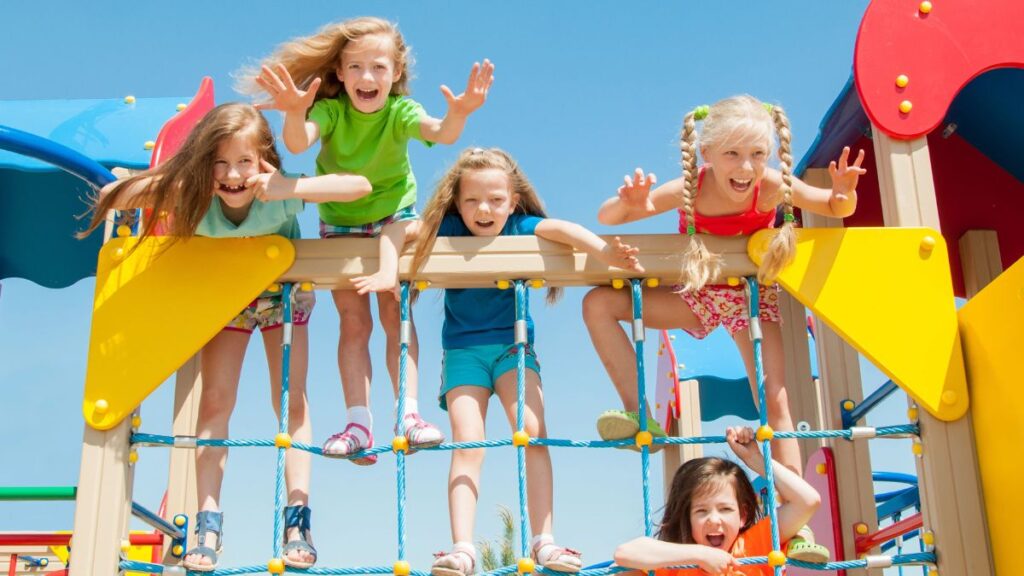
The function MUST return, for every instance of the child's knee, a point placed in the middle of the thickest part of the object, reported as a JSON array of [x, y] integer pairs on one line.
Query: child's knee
[[597, 304], [356, 324]]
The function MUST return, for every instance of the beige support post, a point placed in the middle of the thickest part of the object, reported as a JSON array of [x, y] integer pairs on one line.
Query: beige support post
[[839, 380], [951, 499], [181, 481], [804, 396], [688, 424], [104, 501], [979, 259]]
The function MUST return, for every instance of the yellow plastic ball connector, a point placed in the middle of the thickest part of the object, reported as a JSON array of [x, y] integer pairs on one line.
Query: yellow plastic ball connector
[[129, 99], [181, 106], [536, 284], [653, 282], [503, 284], [776, 558], [275, 566], [101, 406], [764, 433], [306, 286], [136, 421], [860, 528], [618, 283], [401, 568], [906, 106], [525, 566], [421, 285], [283, 440], [124, 231], [133, 457], [149, 144], [400, 444], [732, 281], [520, 438], [178, 550], [925, 7], [273, 252], [179, 520], [643, 438], [902, 81]]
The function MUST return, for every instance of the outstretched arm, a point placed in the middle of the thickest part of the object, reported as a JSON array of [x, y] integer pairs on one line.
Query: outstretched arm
[[613, 254], [272, 185], [448, 130], [635, 199], [799, 499], [299, 133], [650, 554], [841, 200]]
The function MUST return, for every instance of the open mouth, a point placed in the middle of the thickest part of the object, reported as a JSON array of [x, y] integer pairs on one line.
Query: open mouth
[[485, 224], [366, 94], [740, 185], [716, 540], [230, 189]]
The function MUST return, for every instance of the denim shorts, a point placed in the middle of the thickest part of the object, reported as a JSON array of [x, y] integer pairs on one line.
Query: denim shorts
[[479, 366]]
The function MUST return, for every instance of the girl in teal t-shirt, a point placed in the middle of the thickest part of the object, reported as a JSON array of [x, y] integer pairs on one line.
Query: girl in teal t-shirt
[[354, 74], [224, 183]]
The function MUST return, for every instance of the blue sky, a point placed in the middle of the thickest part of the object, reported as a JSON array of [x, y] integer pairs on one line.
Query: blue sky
[[584, 92]]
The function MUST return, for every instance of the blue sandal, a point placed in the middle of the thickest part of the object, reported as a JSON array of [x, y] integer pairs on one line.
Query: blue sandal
[[298, 516], [207, 521]]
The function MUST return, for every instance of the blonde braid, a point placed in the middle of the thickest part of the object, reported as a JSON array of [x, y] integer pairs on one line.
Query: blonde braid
[[782, 247], [699, 265]]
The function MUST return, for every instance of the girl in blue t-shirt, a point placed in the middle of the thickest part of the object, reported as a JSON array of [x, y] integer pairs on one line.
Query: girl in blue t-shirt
[[486, 194], [347, 86], [224, 182]]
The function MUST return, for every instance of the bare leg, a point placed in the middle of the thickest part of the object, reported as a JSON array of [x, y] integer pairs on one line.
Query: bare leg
[[354, 346], [604, 308], [392, 241], [391, 321], [297, 462], [467, 409], [787, 452], [222, 365]]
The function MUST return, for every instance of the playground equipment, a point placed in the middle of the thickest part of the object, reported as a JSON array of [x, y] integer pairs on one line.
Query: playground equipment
[[959, 370]]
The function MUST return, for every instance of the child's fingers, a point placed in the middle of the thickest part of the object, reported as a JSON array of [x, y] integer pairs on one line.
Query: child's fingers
[[638, 176], [651, 179], [271, 79], [266, 166], [314, 85], [860, 158], [447, 93], [285, 76]]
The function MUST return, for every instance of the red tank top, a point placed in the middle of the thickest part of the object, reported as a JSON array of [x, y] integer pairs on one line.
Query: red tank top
[[743, 224]]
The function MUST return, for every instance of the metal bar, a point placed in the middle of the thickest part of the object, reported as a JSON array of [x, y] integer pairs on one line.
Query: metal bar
[[157, 522], [868, 404], [869, 541]]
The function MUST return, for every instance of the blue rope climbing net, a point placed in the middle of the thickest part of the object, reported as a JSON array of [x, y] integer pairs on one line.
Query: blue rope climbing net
[[520, 440]]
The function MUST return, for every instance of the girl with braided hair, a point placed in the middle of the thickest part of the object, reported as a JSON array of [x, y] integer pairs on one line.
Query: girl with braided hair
[[735, 192]]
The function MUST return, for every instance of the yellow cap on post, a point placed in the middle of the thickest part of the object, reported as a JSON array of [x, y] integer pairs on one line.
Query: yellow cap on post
[[401, 568], [283, 440], [520, 438], [400, 444]]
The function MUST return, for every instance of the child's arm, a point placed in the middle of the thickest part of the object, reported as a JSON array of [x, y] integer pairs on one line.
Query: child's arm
[[299, 134], [636, 201], [448, 130], [272, 185], [800, 499], [650, 554], [840, 201], [615, 254]]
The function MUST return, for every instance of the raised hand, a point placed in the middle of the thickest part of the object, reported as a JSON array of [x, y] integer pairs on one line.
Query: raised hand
[[269, 184], [621, 255], [635, 193], [285, 95], [480, 80], [715, 561], [844, 175], [743, 443]]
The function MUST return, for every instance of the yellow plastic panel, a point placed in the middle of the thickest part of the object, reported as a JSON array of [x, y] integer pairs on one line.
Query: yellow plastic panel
[[888, 293], [158, 305], [990, 325]]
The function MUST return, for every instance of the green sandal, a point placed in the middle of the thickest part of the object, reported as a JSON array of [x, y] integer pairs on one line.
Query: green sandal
[[298, 516], [802, 547], [207, 521], [622, 425]]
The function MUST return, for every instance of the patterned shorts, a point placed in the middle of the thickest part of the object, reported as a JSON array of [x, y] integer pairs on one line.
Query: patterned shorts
[[727, 306], [267, 313], [371, 230]]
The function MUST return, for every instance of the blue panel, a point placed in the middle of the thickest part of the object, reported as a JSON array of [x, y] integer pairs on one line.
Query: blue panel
[[725, 397], [844, 123], [989, 114]]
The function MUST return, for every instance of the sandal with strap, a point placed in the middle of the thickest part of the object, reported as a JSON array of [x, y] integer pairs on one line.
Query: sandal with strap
[[551, 556], [458, 562], [802, 547], [421, 434], [298, 517], [345, 444], [623, 425], [206, 521]]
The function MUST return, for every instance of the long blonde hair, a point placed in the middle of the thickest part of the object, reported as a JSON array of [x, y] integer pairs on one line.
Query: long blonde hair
[[446, 197], [319, 56], [726, 122], [183, 186]]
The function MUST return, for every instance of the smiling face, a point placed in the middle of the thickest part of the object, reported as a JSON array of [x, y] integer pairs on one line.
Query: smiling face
[[368, 70], [485, 201], [738, 166], [236, 160], [715, 518]]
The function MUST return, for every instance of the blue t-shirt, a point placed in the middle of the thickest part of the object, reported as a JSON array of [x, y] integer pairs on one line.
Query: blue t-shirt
[[264, 218], [480, 316]]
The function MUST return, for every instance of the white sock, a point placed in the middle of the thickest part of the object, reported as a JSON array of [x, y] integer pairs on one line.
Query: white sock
[[361, 415], [466, 547], [541, 539], [412, 406]]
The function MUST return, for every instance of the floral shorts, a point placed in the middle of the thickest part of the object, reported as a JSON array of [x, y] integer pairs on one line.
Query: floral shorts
[[267, 313], [727, 306], [371, 230]]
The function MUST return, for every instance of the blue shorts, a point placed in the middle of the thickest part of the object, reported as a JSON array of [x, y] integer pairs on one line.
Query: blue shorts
[[480, 366], [370, 230]]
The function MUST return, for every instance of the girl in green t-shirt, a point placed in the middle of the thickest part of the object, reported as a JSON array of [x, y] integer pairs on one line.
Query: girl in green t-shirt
[[346, 86]]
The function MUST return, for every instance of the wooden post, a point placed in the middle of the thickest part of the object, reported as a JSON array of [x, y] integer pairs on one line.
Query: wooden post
[[804, 396], [951, 499], [839, 376], [688, 424], [181, 473]]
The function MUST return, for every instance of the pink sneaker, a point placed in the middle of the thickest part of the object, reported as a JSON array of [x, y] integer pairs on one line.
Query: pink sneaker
[[421, 434], [344, 444]]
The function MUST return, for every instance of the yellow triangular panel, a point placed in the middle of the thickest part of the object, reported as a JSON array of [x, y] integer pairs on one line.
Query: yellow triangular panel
[[158, 305], [990, 326], [888, 293]]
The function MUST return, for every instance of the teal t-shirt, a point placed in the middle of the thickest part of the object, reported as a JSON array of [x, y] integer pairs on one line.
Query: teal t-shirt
[[265, 218], [372, 145]]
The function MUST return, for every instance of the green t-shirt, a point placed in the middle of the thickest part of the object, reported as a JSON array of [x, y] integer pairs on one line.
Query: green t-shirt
[[265, 218], [371, 145]]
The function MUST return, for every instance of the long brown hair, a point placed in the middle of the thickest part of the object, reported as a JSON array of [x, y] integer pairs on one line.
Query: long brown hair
[[183, 186], [724, 122], [695, 478], [319, 56], [446, 196]]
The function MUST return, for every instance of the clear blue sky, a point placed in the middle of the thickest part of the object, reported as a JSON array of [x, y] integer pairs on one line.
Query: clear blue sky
[[584, 92]]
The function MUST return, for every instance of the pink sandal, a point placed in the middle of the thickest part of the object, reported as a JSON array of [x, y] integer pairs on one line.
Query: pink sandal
[[344, 444], [551, 556], [421, 434], [458, 562]]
